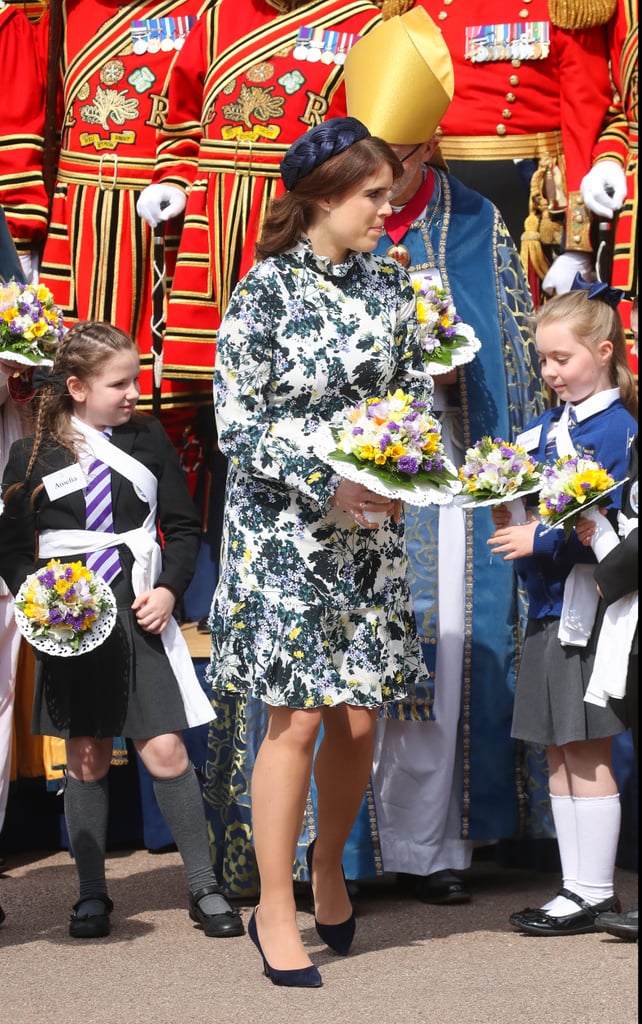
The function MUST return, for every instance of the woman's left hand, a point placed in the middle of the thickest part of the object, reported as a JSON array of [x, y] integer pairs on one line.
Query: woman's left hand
[[360, 502], [153, 609]]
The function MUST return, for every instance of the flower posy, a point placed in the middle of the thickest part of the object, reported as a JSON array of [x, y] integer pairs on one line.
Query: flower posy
[[495, 469], [62, 602], [30, 324], [395, 436], [567, 485], [441, 330]]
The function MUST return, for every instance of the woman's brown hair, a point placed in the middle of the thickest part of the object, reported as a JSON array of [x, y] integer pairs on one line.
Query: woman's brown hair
[[290, 215]]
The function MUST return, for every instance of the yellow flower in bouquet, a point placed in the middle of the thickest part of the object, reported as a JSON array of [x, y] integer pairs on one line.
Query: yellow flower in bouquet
[[31, 325], [567, 486]]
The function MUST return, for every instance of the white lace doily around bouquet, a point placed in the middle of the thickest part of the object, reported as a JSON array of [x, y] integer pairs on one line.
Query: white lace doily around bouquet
[[587, 504], [468, 501], [462, 355], [417, 492], [91, 639], [19, 357]]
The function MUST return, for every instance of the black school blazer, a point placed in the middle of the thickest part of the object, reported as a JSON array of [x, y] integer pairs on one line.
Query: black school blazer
[[144, 439]]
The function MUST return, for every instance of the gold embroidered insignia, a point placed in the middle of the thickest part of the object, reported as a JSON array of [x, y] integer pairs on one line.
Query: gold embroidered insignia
[[110, 104], [254, 102]]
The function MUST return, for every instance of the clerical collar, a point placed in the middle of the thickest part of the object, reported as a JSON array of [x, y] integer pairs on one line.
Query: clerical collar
[[398, 222]]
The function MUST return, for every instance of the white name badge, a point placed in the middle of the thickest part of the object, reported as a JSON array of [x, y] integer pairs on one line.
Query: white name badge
[[64, 481], [529, 439]]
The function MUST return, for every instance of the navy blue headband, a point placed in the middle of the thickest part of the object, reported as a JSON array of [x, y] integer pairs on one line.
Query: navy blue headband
[[598, 290], [315, 147]]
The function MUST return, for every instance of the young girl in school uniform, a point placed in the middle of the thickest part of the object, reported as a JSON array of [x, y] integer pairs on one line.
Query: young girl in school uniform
[[582, 350], [140, 681]]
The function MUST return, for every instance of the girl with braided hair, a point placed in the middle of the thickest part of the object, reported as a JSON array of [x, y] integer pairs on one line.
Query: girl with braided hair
[[137, 683]]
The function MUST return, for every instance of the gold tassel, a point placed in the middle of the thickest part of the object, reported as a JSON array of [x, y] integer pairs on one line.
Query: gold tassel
[[572, 14], [531, 252], [392, 8]]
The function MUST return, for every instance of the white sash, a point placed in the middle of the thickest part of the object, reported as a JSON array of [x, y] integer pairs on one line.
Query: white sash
[[147, 565], [608, 678], [579, 605]]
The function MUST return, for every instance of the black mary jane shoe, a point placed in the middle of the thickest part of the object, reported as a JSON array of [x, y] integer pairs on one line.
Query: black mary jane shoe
[[215, 926], [579, 923], [338, 937], [441, 888], [90, 926]]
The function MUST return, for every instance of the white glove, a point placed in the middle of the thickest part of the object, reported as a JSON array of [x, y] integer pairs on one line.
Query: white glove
[[604, 188], [160, 202], [562, 272]]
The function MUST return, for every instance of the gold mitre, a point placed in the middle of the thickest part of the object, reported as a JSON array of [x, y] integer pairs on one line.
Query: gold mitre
[[399, 78]]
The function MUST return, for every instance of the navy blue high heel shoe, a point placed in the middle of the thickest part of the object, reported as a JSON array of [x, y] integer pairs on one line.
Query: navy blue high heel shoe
[[337, 936], [304, 977]]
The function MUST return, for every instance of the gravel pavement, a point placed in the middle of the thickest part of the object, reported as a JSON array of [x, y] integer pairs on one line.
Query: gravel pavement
[[410, 964]]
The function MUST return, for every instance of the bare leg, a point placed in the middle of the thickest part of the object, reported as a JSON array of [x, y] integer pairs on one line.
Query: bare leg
[[341, 771], [280, 784]]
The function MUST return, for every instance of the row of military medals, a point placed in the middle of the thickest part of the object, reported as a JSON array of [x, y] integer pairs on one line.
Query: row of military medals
[[324, 45], [153, 34], [517, 41]]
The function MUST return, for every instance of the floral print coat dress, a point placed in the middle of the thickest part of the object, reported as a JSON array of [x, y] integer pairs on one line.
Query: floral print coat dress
[[310, 610]]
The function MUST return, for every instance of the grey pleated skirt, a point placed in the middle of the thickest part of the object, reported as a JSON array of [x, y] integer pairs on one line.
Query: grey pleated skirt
[[549, 696], [125, 687]]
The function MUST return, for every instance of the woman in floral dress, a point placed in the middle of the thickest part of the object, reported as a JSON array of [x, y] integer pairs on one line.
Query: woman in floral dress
[[312, 612]]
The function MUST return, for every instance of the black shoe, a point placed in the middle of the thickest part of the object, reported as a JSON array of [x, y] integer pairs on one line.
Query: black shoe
[[442, 887], [337, 936], [622, 926], [302, 977], [215, 926], [542, 923], [90, 926], [3, 916]]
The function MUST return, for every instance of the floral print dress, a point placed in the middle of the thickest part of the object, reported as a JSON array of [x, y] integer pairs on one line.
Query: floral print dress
[[310, 609]]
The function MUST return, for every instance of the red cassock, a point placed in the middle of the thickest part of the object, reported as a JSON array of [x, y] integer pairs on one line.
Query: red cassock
[[249, 81], [22, 191], [115, 62]]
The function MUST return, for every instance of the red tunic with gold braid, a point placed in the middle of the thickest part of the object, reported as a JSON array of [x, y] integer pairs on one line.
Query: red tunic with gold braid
[[22, 191], [525, 88], [34, 10], [619, 142], [115, 62], [237, 100]]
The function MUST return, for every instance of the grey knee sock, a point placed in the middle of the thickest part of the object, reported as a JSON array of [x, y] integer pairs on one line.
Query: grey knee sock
[[181, 804], [86, 807]]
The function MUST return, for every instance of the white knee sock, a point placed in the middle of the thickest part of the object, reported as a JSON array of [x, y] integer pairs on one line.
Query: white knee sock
[[598, 830], [597, 823], [563, 809]]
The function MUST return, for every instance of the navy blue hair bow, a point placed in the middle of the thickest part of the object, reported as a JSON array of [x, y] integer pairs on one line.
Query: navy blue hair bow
[[44, 378], [598, 290], [316, 146]]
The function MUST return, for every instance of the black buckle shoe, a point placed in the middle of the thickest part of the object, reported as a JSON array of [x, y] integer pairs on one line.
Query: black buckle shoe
[[215, 926], [581, 923], [90, 926]]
